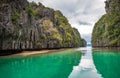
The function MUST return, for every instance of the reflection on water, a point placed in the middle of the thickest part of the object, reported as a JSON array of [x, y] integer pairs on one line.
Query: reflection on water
[[107, 63], [63, 65], [86, 68], [53, 65]]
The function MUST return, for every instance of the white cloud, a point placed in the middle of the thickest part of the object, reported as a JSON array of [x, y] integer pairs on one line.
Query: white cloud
[[82, 14]]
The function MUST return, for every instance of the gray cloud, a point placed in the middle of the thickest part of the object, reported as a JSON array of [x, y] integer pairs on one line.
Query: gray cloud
[[80, 13], [84, 23]]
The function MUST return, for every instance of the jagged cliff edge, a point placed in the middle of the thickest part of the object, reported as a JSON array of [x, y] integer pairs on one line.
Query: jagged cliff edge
[[106, 32], [30, 26]]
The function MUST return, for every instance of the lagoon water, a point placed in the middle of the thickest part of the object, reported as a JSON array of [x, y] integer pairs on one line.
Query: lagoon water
[[72, 63], [107, 63], [52, 65], [86, 67]]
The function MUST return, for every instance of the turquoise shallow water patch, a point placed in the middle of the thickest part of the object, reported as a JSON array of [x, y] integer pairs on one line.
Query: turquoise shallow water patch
[[107, 63], [68, 63], [53, 65]]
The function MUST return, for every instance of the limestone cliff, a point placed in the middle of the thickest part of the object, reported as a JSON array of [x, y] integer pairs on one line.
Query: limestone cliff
[[106, 32], [25, 26]]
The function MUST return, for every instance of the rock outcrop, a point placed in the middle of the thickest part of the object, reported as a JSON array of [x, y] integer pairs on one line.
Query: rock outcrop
[[106, 32], [30, 26]]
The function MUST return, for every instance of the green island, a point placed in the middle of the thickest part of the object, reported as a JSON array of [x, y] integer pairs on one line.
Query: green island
[[30, 26], [106, 32], [37, 41]]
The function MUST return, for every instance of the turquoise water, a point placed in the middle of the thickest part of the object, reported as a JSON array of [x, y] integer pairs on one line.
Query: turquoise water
[[97, 63], [72, 63], [53, 65], [107, 63], [86, 67]]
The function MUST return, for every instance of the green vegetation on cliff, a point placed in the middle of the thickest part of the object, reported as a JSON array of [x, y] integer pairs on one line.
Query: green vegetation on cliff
[[71, 36], [25, 25], [107, 30]]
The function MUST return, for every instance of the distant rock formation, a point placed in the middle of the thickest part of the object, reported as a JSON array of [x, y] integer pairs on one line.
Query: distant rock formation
[[30, 26], [106, 32]]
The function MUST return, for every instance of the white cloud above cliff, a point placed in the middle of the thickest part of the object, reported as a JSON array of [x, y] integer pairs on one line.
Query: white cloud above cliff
[[82, 14]]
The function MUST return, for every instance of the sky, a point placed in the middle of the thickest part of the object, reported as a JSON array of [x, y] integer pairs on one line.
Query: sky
[[82, 14]]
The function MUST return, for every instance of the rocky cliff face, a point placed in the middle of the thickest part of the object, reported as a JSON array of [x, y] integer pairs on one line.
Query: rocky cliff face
[[107, 30], [25, 25]]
